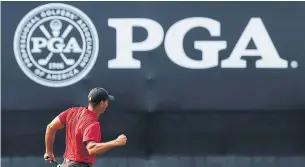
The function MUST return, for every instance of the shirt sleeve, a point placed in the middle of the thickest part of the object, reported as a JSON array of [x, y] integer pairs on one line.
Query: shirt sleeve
[[92, 133], [63, 116]]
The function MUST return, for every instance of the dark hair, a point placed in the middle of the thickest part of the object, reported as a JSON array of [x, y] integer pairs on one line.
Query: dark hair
[[94, 104]]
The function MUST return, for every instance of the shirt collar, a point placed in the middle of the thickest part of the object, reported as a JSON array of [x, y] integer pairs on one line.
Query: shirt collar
[[92, 113]]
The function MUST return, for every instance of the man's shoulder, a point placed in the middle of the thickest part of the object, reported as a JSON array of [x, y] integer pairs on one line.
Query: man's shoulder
[[72, 111]]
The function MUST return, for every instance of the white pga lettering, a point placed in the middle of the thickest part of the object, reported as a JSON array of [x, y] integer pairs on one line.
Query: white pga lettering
[[173, 44], [55, 45]]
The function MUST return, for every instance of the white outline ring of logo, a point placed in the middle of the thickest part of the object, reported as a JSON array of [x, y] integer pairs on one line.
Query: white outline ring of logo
[[36, 13]]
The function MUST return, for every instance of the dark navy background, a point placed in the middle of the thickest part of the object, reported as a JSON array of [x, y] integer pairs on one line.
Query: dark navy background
[[162, 107]]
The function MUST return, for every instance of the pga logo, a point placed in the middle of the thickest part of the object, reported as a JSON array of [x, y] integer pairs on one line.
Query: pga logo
[[56, 45], [173, 44]]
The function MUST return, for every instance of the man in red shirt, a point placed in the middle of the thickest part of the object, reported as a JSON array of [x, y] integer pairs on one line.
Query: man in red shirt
[[83, 134]]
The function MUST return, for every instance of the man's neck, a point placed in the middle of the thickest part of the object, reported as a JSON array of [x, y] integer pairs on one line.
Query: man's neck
[[90, 108]]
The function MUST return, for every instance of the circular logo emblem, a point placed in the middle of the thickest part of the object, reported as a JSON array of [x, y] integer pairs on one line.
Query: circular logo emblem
[[56, 45]]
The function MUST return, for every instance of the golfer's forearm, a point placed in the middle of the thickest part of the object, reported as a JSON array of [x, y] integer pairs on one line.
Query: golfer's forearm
[[49, 139], [99, 148]]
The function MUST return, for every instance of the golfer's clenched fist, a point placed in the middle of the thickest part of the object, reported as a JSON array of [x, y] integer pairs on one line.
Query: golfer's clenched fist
[[49, 157], [121, 140]]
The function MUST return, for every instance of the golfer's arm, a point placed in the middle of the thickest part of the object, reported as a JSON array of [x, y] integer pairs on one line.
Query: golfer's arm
[[100, 148], [54, 126]]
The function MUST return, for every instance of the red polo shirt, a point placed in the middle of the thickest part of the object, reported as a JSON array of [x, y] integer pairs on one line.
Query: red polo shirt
[[81, 126]]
